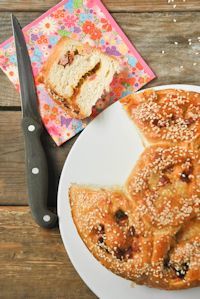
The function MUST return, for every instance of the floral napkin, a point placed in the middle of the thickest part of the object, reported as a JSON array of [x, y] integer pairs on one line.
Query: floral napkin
[[87, 21]]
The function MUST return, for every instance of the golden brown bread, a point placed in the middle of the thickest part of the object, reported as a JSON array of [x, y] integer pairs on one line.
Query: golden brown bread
[[166, 115], [149, 232]]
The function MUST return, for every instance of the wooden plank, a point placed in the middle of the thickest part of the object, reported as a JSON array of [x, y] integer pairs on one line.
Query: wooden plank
[[33, 261], [151, 33], [112, 5], [12, 157], [12, 174], [172, 38], [10, 97]]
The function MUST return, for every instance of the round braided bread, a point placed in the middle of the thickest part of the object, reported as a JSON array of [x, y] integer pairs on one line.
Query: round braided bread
[[149, 231]]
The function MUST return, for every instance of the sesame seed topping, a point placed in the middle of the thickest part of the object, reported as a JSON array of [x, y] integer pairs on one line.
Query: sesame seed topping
[[162, 118]]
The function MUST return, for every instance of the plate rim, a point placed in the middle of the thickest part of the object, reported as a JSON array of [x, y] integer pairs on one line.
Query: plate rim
[[187, 87]]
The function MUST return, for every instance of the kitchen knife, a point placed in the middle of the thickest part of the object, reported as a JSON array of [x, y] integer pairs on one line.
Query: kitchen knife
[[36, 163]]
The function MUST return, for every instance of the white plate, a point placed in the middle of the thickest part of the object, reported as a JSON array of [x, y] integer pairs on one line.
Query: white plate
[[104, 155]]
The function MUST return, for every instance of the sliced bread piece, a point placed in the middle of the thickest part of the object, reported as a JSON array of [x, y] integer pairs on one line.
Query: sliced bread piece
[[77, 75]]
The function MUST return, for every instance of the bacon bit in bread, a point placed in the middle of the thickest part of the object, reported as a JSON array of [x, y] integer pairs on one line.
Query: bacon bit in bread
[[185, 177], [164, 180], [64, 60], [68, 58], [155, 122], [100, 240], [98, 229], [168, 168], [123, 253], [166, 262], [180, 270], [120, 216]]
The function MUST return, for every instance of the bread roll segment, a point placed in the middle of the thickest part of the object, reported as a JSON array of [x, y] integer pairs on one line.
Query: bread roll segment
[[167, 115]]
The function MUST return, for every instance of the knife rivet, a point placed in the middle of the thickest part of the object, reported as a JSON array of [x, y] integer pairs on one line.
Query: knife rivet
[[35, 170], [46, 218], [31, 128]]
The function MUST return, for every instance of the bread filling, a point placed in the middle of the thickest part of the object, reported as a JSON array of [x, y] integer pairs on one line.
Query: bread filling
[[90, 73]]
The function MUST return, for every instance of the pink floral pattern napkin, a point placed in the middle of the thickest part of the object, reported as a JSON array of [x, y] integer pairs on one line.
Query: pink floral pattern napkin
[[90, 22]]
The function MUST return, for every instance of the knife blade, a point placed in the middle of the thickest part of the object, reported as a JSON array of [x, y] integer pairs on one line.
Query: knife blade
[[36, 163]]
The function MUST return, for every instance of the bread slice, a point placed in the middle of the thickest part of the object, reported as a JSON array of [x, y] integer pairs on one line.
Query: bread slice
[[77, 75]]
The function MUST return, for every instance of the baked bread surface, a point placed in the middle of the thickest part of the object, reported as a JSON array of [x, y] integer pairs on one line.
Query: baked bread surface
[[106, 222], [76, 76], [166, 115]]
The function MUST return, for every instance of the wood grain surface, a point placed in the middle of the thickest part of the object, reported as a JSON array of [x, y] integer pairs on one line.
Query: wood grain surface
[[12, 161], [151, 34], [112, 5], [33, 261]]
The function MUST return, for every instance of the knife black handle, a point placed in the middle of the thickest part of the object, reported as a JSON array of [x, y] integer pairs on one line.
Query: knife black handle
[[37, 174]]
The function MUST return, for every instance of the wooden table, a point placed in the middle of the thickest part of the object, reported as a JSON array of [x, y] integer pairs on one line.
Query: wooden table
[[33, 262]]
